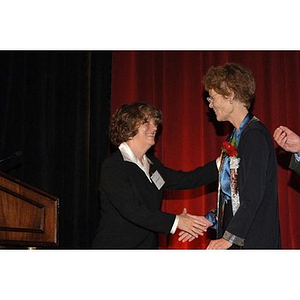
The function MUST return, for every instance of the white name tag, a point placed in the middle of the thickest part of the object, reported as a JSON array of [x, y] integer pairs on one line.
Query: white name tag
[[157, 179]]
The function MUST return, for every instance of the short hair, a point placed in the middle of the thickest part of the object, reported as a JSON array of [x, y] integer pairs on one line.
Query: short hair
[[231, 77], [126, 120]]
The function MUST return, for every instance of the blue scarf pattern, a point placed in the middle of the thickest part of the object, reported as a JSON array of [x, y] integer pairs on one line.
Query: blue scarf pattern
[[225, 172], [225, 190]]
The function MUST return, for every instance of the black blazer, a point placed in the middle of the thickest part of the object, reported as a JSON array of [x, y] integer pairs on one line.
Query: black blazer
[[130, 215], [295, 165], [257, 219]]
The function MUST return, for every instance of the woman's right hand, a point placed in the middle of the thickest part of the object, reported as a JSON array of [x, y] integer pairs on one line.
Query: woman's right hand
[[192, 225]]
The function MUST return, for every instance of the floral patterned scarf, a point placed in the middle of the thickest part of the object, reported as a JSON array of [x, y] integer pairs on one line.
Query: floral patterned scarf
[[228, 173]]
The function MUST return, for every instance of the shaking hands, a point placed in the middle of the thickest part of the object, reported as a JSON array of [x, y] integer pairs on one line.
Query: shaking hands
[[191, 226]]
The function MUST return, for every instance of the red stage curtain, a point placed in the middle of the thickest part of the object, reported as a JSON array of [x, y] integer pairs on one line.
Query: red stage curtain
[[172, 81]]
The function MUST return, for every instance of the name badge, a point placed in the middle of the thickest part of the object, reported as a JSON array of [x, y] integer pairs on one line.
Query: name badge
[[157, 179]]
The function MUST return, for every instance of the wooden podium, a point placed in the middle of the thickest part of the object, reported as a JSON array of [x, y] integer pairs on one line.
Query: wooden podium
[[28, 216]]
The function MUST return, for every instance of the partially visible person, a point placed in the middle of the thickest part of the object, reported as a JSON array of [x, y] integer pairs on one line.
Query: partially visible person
[[132, 182], [247, 214], [289, 141]]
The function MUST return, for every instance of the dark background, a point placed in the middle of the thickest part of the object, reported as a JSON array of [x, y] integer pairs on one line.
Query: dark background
[[55, 107]]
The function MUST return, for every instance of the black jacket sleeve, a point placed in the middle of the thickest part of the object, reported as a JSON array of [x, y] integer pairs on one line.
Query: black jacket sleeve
[[294, 165], [179, 180]]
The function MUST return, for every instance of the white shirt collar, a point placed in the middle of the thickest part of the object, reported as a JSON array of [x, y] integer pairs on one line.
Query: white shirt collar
[[128, 155]]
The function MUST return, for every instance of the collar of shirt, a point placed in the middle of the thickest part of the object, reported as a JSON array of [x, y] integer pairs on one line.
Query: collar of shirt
[[128, 155]]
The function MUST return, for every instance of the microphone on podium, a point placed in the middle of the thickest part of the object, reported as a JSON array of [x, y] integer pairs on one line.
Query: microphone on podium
[[16, 154]]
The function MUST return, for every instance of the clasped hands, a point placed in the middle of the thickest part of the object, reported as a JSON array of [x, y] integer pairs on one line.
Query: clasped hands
[[191, 226]]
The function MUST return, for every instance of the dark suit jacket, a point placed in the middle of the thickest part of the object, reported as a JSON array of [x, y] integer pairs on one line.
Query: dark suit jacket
[[131, 215], [295, 165], [257, 219]]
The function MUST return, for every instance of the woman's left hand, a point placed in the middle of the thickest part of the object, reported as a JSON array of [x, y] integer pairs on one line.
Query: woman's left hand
[[220, 244]]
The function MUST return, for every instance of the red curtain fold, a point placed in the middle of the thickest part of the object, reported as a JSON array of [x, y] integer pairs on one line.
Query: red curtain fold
[[172, 81]]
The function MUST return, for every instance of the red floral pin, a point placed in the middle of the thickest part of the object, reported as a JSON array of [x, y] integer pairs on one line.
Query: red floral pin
[[230, 148]]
